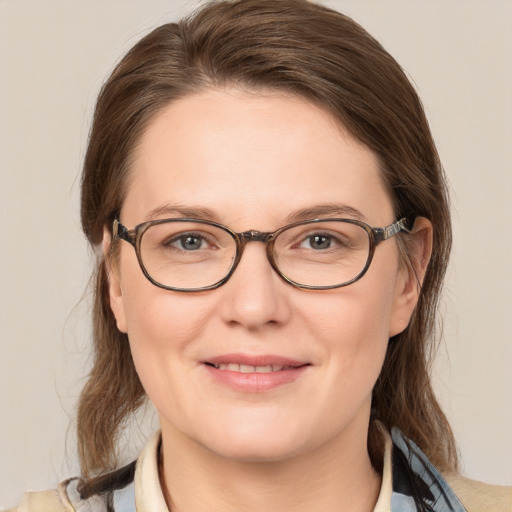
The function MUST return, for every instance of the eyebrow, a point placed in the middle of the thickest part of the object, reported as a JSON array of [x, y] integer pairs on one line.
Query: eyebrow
[[331, 210], [191, 212]]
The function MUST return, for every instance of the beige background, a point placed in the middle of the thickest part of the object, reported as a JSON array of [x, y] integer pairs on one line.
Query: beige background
[[54, 56]]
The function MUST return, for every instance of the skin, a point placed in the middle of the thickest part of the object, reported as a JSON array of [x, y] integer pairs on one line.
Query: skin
[[253, 160]]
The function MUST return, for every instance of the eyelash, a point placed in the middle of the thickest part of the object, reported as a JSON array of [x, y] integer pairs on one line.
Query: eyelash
[[181, 237], [331, 236]]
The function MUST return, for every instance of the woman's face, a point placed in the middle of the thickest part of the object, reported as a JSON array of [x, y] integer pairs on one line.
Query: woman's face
[[253, 161]]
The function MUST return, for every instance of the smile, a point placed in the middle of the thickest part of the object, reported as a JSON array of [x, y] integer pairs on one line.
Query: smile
[[254, 374], [246, 368]]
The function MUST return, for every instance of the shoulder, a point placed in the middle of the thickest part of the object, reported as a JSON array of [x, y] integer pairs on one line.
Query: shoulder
[[414, 477], [112, 492], [480, 497], [54, 500]]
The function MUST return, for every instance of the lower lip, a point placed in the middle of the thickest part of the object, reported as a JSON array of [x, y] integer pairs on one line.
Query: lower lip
[[256, 382]]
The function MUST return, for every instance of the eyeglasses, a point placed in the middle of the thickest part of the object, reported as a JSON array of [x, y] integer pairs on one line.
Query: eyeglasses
[[189, 255]]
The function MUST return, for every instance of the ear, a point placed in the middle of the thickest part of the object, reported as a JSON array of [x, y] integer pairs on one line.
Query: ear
[[114, 281], [410, 278]]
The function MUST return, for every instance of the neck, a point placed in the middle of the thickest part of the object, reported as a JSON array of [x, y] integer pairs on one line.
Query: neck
[[337, 476]]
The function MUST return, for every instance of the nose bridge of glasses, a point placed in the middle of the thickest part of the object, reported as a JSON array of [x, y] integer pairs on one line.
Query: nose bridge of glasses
[[255, 236]]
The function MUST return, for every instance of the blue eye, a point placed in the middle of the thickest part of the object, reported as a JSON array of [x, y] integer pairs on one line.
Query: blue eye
[[318, 241], [323, 241], [188, 242]]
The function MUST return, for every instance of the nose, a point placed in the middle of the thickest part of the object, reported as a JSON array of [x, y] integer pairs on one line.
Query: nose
[[255, 296]]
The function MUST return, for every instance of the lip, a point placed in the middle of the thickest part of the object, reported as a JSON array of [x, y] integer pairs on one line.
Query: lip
[[289, 370]]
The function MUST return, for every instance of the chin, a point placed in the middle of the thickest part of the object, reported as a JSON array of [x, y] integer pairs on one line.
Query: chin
[[258, 452], [255, 442]]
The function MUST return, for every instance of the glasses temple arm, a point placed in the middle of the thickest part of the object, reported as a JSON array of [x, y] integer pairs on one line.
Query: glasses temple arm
[[121, 231], [404, 224]]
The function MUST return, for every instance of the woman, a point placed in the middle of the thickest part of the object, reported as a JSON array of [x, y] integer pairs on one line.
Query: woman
[[290, 372]]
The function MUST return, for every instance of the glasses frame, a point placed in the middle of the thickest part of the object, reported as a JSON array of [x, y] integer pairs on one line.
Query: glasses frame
[[375, 236]]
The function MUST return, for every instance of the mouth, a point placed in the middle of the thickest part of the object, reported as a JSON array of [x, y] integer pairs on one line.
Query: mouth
[[246, 368], [254, 374]]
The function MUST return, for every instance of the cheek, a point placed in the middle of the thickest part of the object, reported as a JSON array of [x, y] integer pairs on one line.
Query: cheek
[[356, 316], [161, 327], [162, 332], [154, 315], [352, 325]]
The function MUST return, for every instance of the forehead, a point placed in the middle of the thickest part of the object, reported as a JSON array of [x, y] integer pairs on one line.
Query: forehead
[[243, 154]]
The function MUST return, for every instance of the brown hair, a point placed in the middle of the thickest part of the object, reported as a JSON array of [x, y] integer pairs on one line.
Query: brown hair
[[325, 57]]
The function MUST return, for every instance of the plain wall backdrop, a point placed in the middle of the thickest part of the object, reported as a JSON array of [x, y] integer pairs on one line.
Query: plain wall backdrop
[[54, 56]]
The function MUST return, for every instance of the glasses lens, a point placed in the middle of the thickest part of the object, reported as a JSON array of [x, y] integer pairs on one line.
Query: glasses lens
[[326, 253], [186, 255]]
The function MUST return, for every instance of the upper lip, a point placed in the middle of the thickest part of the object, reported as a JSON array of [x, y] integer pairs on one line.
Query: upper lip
[[255, 360]]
